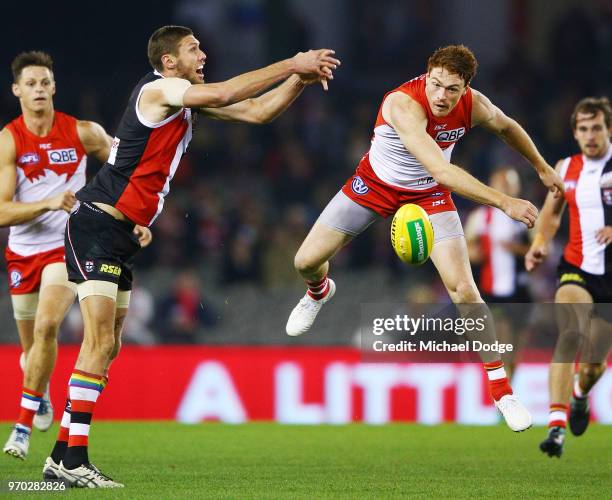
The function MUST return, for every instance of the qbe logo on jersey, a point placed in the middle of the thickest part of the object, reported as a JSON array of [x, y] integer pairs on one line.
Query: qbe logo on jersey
[[62, 156], [450, 135], [358, 186]]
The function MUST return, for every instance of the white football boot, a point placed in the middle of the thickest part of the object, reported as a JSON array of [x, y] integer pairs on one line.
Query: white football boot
[[87, 476], [516, 415], [44, 416], [303, 315], [19, 442]]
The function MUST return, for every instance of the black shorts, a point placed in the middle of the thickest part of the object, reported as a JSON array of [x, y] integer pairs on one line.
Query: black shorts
[[598, 285], [99, 247]]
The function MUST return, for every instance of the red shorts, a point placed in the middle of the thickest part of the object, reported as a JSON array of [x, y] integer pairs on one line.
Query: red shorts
[[24, 272], [366, 189]]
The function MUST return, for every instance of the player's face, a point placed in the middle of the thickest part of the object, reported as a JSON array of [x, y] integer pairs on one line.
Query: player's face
[[35, 88], [191, 60], [443, 90], [592, 134]]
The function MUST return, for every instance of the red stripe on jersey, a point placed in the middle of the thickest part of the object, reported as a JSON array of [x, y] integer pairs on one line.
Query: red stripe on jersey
[[573, 249], [139, 200], [486, 271]]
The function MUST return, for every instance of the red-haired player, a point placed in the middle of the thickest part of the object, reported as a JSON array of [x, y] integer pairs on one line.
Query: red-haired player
[[416, 129]]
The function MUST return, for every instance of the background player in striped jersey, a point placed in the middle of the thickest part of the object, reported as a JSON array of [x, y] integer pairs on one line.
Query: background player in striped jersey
[[130, 188], [43, 156], [585, 271], [498, 245], [416, 129]]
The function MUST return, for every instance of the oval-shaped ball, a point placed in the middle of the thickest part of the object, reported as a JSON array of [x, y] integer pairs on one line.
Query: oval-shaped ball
[[412, 234]]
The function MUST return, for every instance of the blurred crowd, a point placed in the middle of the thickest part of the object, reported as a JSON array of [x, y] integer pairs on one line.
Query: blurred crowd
[[244, 197]]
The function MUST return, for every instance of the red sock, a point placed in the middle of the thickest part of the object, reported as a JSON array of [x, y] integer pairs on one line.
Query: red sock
[[30, 401], [499, 385], [318, 289], [557, 416]]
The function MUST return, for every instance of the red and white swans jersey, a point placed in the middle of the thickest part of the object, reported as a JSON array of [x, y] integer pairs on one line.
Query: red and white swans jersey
[[393, 163], [588, 192], [46, 166]]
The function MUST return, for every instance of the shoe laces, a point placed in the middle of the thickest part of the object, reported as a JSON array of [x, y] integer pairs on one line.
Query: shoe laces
[[97, 472], [21, 435], [507, 402], [308, 304]]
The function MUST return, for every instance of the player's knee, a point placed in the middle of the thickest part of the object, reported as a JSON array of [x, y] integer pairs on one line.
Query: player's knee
[[99, 346], [46, 329], [466, 292], [305, 263]]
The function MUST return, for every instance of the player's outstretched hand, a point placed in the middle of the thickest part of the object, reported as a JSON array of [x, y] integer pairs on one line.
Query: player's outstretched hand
[[316, 62], [310, 79], [535, 256], [552, 180], [63, 201], [604, 235], [145, 236], [521, 210]]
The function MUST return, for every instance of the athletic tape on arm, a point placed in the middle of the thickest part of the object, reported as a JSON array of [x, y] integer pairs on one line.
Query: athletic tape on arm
[[173, 89]]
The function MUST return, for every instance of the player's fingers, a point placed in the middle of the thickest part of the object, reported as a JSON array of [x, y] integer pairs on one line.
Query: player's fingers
[[330, 60], [324, 84]]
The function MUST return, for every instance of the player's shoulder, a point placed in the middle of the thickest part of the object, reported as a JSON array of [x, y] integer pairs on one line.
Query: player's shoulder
[[8, 148], [6, 138], [89, 131], [406, 103]]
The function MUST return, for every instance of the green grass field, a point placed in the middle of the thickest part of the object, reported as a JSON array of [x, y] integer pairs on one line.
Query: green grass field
[[169, 460]]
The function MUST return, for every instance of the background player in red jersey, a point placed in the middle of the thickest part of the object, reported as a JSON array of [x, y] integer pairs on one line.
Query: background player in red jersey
[[409, 162], [585, 270], [498, 245], [154, 133], [43, 155]]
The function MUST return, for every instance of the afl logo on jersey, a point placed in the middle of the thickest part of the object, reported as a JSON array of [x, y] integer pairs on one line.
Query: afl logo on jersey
[[15, 279], [62, 156], [450, 135], [28, 158], [358, 186]]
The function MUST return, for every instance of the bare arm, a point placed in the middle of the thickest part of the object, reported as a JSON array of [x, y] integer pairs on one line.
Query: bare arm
[[546, 229], [14, 212], [489, 116], [94, 139], [314, 62], [163, 96], [262, 109], [409, 120]]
